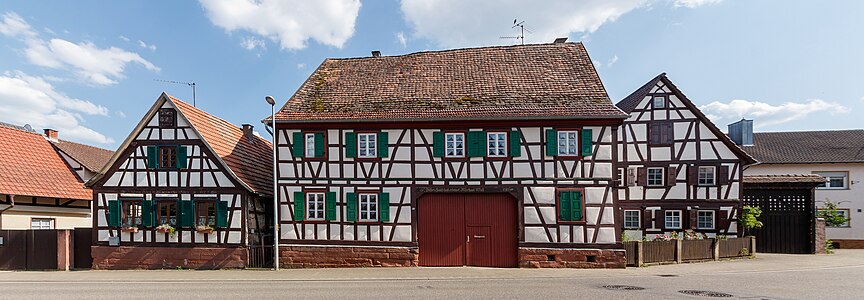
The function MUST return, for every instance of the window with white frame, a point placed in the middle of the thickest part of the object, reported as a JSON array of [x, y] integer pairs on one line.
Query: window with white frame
[[314, 206], [705, 219], [706, 175], [568, 144], [368, 207], [836, 180], [496, 144], [367, 145], [632, 219], [37, 223], [658, 102], [673, 219], [622, 180], [310, 144], [655, 176], [455, 144]]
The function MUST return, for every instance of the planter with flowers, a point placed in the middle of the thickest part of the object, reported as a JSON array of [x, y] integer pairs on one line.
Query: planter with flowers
[[204, 229], [129, 229], [166, 228]]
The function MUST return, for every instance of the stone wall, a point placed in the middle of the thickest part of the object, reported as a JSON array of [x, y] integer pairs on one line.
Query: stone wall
[[571, 258], [346, 257], [146, 257], [820, 236]]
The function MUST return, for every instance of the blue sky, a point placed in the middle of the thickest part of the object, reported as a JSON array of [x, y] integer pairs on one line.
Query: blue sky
[[87, 68]]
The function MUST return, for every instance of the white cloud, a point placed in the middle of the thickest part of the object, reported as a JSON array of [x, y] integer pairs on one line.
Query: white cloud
[[26, 99], [301, 66], [694, 3], [289, 23], [767, 114], [400, 37], [124, 38], [458, 23], [250, 43], [612, 61], [144, 45], [12, 25]]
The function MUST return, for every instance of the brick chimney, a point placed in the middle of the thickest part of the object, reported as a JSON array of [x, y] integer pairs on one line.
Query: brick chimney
[[247, 132], [376, 53], [51, 134]]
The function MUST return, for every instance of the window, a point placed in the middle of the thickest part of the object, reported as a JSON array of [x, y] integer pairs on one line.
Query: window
[[570, 206], [315, 206], [496, 144], [367, 145], [842, 211], [167, 157], [131, 213], [567, 143], [310, 145], [622, 180], [658, 102], [655, 176], [455, 145], [632, 219], [368, 207], [673, 219], [705, 219], [205, 213], [41, 223], [660, 133], [167, 118], [706, 175], [836, 180], [166, 212]]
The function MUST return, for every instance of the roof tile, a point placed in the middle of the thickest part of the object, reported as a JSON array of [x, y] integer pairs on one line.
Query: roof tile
[[29, 166]]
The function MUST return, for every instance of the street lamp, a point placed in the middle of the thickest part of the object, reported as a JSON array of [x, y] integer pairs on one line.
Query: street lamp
[[272, 103]]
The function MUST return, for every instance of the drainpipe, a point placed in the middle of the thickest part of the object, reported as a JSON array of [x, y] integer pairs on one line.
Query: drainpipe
[[11, 202]]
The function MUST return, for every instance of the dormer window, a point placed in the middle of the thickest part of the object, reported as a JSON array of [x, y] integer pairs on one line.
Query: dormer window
[[167, 118]]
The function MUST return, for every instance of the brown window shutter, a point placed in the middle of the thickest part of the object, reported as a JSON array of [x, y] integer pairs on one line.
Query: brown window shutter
[[631, 176], [668, 135], [653, 134], [661, 218], [671, 176], [722, 222], [642, 176], [722, 175], [647, 221], [693, 218], [692, 174]]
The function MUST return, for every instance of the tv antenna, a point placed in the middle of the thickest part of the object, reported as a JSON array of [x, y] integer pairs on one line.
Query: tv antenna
[[522, 30], [192, 84]]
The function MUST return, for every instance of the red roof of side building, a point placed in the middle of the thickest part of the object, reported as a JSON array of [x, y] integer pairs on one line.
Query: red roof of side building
[[92, 158], [29, 166], [542, 81]]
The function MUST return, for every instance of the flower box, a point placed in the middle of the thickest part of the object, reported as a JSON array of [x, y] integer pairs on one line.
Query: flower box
[[165, 228], [129, 229], [204, 229]]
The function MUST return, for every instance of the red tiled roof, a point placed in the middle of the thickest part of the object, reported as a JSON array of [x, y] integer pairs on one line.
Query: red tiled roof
[[505, 82], [790, 178], [801, 147], [251, 160], [92, 158], [29, 166]]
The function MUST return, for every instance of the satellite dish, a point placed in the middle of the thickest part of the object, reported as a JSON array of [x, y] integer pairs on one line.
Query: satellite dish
[[29, 128]]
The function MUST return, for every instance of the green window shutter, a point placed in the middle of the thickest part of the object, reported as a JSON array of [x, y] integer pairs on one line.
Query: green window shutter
[[187, 213], [298, 145], [320, 144], [476, 143], [181, 157], [587, 142], [221, 214], [299, 206], [564, 206], [114, 213], [152, 156], [383, 144], [350, 144], [551, 142], [384, 207], [351, 207], [576, 204], [148, 217], [330, 206], [438, 144], [515, 143]]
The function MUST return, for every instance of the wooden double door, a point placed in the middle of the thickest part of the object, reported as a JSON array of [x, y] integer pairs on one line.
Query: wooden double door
[[472, 229]]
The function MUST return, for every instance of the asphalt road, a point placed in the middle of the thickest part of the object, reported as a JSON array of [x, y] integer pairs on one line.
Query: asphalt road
[[838, 276]]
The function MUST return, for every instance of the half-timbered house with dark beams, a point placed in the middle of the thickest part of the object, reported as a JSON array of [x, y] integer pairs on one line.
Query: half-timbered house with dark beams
[[677, 170], [185, 189], [495, 156]]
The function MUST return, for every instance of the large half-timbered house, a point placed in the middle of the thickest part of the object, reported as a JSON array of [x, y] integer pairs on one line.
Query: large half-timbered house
[[185, 189], [496, 156], [677, 170]]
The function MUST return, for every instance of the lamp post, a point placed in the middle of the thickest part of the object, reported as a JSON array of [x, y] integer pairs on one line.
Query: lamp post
[[272, 103]]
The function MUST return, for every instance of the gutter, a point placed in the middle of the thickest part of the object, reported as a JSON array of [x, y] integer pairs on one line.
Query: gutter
[[11, 203]]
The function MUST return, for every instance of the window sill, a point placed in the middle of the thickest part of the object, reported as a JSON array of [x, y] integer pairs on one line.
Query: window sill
[[572, 222]]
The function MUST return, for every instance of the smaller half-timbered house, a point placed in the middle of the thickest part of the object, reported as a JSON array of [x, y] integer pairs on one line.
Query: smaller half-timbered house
[[677, 171], [185, 189]]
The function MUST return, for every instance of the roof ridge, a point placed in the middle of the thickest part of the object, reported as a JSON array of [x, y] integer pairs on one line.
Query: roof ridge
[[82, 144], [16, 127], [189, 106], [453, 50], [812, 131]]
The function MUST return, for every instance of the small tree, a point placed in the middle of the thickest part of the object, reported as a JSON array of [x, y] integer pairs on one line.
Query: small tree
[[750, 217], [829, 212]]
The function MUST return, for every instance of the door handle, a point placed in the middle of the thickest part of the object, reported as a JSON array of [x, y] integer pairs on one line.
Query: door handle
[[479, 236], [467, 239]]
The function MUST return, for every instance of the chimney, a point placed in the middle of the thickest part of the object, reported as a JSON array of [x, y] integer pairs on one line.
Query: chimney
[[247, 132], [51, 134], [376, 53], [741, 132], [560, 40]]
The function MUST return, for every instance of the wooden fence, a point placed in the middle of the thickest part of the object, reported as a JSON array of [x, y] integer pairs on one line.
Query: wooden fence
[[678, 251]]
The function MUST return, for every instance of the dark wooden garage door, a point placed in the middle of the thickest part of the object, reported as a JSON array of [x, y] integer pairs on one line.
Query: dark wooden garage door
[[787, 218], [467, 230]]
